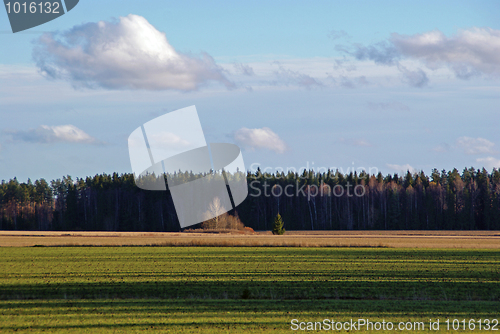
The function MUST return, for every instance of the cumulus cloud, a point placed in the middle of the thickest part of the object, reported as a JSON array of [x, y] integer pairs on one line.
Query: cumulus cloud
[[127, 54], [470, 52], [402, 168], [489, 162], [474, 146], [54, 134], [260, 138]]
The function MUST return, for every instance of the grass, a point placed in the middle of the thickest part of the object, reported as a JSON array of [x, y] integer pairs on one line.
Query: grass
[[267, 273], [216, 316], [394, 239], [241, 289]]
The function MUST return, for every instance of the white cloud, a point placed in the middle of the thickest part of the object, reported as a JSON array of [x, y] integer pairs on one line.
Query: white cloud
[[402, 168], [53, 134], [489, 162], [260, 138], [469, 52], [475, 145], [128, 54]]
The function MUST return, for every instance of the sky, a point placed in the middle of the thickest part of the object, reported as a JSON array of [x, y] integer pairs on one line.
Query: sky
[[385, 86]]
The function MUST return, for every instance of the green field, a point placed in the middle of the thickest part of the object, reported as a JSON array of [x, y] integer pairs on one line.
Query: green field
[[207, 289]]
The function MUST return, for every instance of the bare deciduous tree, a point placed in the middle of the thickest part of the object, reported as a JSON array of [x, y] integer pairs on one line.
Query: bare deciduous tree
[[218, 219]]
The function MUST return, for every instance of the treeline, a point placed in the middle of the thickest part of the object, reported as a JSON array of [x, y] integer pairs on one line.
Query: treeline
[[308, 201]]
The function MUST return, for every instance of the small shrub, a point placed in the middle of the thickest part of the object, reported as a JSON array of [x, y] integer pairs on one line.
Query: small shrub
[[223, 222]]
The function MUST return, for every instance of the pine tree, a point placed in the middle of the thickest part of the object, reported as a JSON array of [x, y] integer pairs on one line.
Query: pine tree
[[278, 225]]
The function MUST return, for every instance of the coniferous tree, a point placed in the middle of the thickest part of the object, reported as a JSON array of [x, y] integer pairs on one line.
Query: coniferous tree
[[278, 227], [305, 200]]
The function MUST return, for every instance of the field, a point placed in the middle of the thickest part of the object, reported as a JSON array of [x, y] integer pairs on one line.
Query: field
[[242, 289], [229, 316], [397, 239]]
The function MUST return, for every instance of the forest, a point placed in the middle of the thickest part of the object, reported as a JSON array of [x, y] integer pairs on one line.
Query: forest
[[446, 200]]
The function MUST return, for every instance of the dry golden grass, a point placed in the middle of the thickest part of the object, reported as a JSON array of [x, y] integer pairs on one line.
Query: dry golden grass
[[398, 239]]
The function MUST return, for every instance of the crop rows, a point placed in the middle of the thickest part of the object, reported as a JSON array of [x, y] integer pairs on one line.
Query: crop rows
[[249, 273]]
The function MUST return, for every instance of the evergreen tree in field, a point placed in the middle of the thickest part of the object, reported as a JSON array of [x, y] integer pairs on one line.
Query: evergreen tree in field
[[278, 227]]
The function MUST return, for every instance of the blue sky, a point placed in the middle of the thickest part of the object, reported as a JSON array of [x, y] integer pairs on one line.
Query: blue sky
[[386, 85]]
